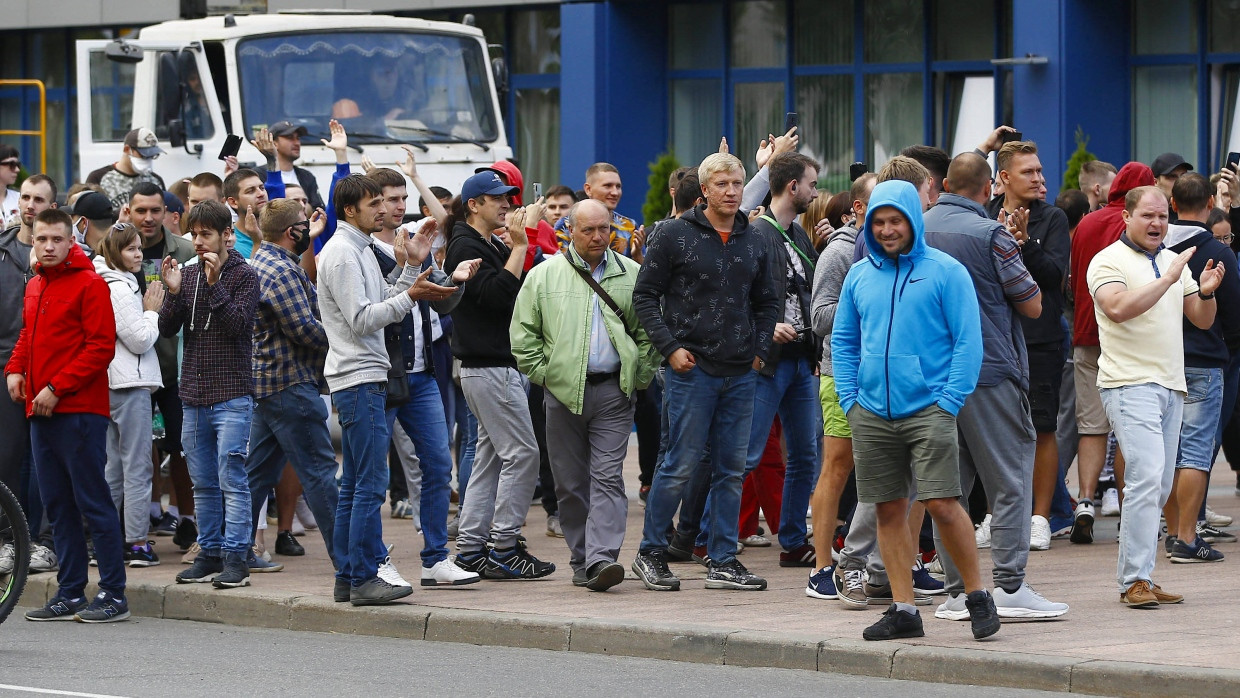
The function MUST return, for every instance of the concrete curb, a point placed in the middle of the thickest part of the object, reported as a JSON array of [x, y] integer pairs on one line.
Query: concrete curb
[[677, 642]]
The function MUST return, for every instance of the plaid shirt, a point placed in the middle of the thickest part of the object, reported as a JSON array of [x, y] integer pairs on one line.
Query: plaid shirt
[[219, 332], [290, 343]]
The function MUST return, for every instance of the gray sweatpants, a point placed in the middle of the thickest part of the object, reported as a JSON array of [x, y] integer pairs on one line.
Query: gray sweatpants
[[997, 445], [412, 467], [860, 550], [505, 462], [129, 468], [587, 453]]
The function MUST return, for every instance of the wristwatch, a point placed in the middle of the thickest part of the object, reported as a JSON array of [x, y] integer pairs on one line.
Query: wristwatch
[[1204, 297], [51, 388]]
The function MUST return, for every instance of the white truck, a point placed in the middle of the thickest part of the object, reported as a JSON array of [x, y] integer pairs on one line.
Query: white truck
[[389, 80]]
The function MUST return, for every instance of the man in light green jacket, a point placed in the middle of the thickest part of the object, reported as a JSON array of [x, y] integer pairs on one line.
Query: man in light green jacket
[[591, 362]]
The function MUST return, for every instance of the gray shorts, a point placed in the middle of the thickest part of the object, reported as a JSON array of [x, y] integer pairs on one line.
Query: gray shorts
[[888, 454]]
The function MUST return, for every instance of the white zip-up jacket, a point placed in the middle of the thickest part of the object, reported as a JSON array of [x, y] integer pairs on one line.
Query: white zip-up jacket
[[135, 364]]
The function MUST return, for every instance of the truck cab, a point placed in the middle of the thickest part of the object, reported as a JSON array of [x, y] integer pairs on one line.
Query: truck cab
[[388, 80]]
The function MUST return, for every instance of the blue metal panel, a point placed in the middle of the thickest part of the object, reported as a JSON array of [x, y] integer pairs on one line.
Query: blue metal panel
[[1038, 89], [582, 97], [1095, 90]]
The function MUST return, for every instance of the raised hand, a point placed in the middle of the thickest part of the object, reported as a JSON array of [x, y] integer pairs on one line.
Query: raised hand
[[170, 273], [211, 267], [318, 223], [515, 224], [339, 141], [153, 299], [410, 165], [230, 165], [787, 142], [417, 246], [1211, 277], [723, 145], [534, 212], [265, 143], [1177, 266], [466, 270], [368, 165], [995, 140], [766, 149], [423, 289], [251, 221]]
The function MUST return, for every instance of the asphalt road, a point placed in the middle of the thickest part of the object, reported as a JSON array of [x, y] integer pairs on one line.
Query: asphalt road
[[150, 657]]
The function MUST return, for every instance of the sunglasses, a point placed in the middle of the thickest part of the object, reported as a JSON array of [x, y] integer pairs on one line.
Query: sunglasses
[[15, 164]]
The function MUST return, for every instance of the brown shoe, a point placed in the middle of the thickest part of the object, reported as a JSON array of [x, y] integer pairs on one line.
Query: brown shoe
[[1166, 596], [1139, 595]]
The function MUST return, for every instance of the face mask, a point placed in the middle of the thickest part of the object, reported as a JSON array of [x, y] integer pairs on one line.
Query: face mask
[[301, 244], [141, 165], [79, 235]]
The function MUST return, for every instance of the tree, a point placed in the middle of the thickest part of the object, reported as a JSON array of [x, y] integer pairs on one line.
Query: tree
[[1072, 175], [658, 200]]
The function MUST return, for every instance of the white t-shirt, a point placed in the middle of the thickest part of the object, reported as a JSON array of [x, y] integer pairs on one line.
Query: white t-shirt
[[10, 214], [419, 361], [290, 178]]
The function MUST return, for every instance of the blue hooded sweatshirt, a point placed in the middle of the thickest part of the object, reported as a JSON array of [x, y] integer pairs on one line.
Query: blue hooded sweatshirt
[[908, 333]]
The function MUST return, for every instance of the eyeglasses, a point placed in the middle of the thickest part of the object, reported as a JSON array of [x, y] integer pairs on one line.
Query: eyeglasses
[[15, 164], [1225, 239]]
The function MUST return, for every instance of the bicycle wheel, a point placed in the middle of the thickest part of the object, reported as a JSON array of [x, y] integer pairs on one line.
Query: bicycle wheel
[[14, 552]]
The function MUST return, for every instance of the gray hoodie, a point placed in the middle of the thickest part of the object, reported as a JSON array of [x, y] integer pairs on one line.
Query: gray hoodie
[[833, 265], [14, 273]]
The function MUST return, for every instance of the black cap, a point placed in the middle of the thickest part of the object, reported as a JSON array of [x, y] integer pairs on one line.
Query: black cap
[[1166, 163], [93, 206], [286, 128]]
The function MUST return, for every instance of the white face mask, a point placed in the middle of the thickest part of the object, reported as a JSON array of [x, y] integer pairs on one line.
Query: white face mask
[[141, 165], [78, 234]]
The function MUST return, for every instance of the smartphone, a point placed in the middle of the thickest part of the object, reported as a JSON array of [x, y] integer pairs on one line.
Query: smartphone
[[1233, 160], [855, 171], [537, 190], [1009, 136], [232, 145], [791, 120]]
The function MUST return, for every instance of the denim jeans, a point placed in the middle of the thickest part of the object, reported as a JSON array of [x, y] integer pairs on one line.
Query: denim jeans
[[1146, 419], [216, 440], [1200, 424], [422, 418], [291, 426], [703, 409], [358, 538]]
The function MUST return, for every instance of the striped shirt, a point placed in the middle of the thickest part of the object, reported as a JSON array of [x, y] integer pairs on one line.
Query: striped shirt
[[1018, 285], [290, 343]]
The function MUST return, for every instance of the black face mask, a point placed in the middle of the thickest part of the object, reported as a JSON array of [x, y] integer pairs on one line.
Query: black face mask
[[301, 241]]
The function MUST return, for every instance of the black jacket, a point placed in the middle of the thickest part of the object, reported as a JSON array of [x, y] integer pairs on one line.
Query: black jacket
[[1046, 255], [307, 181], [1210, 348], [720, 302], [480, 321], [807, 344]]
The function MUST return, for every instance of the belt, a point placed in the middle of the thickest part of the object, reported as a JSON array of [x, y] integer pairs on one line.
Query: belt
[[596, 378]]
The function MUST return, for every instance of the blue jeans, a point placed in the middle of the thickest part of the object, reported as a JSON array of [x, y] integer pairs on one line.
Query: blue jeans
[[291, 425], [423, 420], [703, 409], [1200, 423], [216, 440], [358, 538]]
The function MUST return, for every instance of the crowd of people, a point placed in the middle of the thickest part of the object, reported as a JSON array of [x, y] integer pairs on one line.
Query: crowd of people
[[896, 375]]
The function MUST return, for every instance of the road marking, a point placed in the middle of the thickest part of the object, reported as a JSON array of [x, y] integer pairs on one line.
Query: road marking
[[54, 692]]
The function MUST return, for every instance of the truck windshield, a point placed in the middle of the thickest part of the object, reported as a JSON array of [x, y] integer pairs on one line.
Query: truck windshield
[[383, 86]]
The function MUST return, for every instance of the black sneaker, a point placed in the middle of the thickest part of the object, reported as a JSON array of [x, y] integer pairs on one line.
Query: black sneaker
[[376, 592], [202, 571], [141, 555], [236, 573], [1197, 551], [472, 561], [186, 535], [1083, 523], [733, 575], [1211, 534], [881, 596], [679, 553], [895, 624], [982, 613], [104, 608], [58, 608], [652, 569], [581, 577], [1169, 544], [340, 590], [286, 544], [604, 575], [165, 525], [515, 563]]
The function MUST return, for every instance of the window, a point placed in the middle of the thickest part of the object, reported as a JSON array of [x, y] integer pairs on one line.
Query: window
[[966, 106], [1224, 26], [1164, 26], [697, 119], [825, 105], [1229, 114], [536, 41], [893, 104], [964, 30], [759, 34], [1164, 111], [894, 31], [111, 98], [695, 32], [759, 112], [824, 32], [538, 137]]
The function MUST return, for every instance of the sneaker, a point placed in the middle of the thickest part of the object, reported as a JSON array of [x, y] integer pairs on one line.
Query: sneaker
[[402, 509], [801, 556], [1026, 603], [733, 575], [652, 569], [935, 567], [1110, 502], [895, 624], [387, 572], [1061, 527], [981, 534], [203, 570], [1197, 551], [42, 559], [260, 551], [447, 574], [376, 592], [236, 573], [141, 555], [982, 614], [1216, 519], [259, 565], [581, 577], [700, 556], [1139, 595], [165, 525], [881, 596], [953, 608], [1165, 596], [1168, 544], [757, 540], [1083, 523], [191, 554], [454, 526], [554, 529], [340, 590], [186, 535], [104, 608], [604, 575], [851, 587], [675, 553], [286, 544], [822, 584], [8, 558], [58, 608], [472, 561], [923, 582], [1205, 532], [642, 493], [1039, 533], [515, 563]]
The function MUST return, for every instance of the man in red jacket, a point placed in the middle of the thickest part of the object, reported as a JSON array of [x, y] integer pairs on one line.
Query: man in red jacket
[[59, 368]]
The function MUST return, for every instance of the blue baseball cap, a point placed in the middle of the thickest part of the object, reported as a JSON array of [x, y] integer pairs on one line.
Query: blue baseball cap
[[483, 183]]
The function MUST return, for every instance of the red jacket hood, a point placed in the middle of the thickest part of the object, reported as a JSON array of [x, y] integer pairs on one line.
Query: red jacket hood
[[1129, 177], [76, 261], [512, 175]]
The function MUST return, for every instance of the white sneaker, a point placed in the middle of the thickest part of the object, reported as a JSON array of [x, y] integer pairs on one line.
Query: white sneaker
[[756, 541], [8, 558], [1026, 603], [42, 559], [303, 516], [953, 608], [1216, 519], [1039, 533], [935, 567], [387, 572], [445, 573], [982, 533], [1110, 502]]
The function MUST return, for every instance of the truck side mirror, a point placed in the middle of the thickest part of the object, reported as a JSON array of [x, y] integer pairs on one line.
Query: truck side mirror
[[122, 51], [176, 133], [499, 68]]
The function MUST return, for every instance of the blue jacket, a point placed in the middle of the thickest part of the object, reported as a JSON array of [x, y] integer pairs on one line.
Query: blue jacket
[[908, 333]]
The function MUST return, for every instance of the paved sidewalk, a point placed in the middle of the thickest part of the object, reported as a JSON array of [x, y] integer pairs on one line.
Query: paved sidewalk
[[1100, 647]]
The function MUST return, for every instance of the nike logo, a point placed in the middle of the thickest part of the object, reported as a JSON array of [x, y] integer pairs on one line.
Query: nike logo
[[913, 281]]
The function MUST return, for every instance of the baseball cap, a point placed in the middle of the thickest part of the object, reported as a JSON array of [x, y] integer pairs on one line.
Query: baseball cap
[[172, 203], [93, 206], [1165, 163], [286, 128], [485, 183], [144, 141]]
